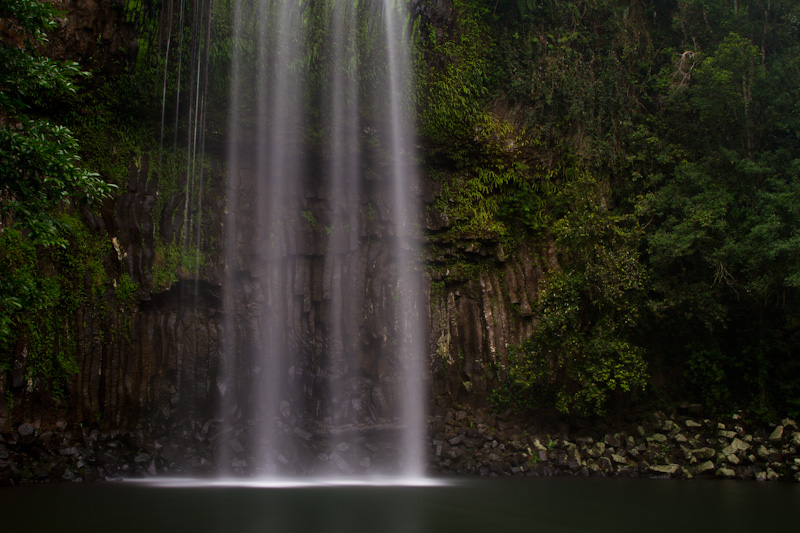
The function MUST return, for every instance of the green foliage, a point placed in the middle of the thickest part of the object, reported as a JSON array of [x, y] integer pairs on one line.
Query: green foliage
[[40, 177], [40, 170], [588, 310], [655, 144], [54, 277], [453, 93], [491, 188], [47, 287], [126, 290], [722, 211], [309, 217], [174, 261]]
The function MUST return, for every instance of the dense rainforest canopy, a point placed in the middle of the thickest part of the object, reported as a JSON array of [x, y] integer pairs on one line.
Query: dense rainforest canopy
[[650, 149], [655, 143]]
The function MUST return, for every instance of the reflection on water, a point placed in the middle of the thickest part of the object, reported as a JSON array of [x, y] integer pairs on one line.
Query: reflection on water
[[462, 505]]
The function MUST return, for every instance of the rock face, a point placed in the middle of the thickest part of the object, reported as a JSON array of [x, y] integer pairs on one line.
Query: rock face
[[161, 361], [473, 322], [95, 33]]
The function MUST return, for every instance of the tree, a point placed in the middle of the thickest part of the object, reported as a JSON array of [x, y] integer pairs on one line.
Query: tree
[[40, 172], [583, 352]]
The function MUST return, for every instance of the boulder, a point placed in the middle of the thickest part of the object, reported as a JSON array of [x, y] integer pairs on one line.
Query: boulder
[[704, 467], [618, 459], [669, 469], [455, 441], [597, 450], [660, 438], [777, 434], [573, 456], [726, 473], [767, 454], [703, 454], [737, 445]]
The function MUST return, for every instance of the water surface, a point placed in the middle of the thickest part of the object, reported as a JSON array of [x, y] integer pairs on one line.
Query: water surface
[[463, 505]]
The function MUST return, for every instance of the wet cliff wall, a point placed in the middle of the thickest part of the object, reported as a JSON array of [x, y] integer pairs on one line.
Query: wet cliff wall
[[158, 360]]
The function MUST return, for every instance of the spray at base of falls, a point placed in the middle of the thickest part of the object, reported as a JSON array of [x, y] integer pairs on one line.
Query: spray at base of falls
[[324, 363]]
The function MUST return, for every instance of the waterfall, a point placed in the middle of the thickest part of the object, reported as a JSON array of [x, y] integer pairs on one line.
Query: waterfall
[[403, 176], [323, 367]]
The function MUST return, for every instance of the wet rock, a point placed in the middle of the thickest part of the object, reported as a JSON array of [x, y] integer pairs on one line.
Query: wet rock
[[736, 446], [612, 440], [660, 438], [725, 473], [705, 467], [767, 454], [573, 456], [26, 430], [141, 458], [669, 469], [703, 453], [455, 441], [618, 459], [604, 463], [597, 450]]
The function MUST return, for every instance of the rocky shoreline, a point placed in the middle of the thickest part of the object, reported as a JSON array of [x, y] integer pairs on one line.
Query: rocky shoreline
[[461, 443], [662, 447], [75, 453]]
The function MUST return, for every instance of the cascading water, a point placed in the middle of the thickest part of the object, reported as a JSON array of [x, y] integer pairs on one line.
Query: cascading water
[[323, 366]]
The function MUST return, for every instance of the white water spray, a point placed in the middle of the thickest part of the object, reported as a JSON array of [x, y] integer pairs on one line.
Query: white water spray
[[307, 388]]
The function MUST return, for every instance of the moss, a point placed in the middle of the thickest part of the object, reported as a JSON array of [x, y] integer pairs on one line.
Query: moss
[[52, 288], [175, 261], [126, 290]]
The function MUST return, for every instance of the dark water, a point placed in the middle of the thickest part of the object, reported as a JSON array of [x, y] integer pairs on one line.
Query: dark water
[[463, 505]]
